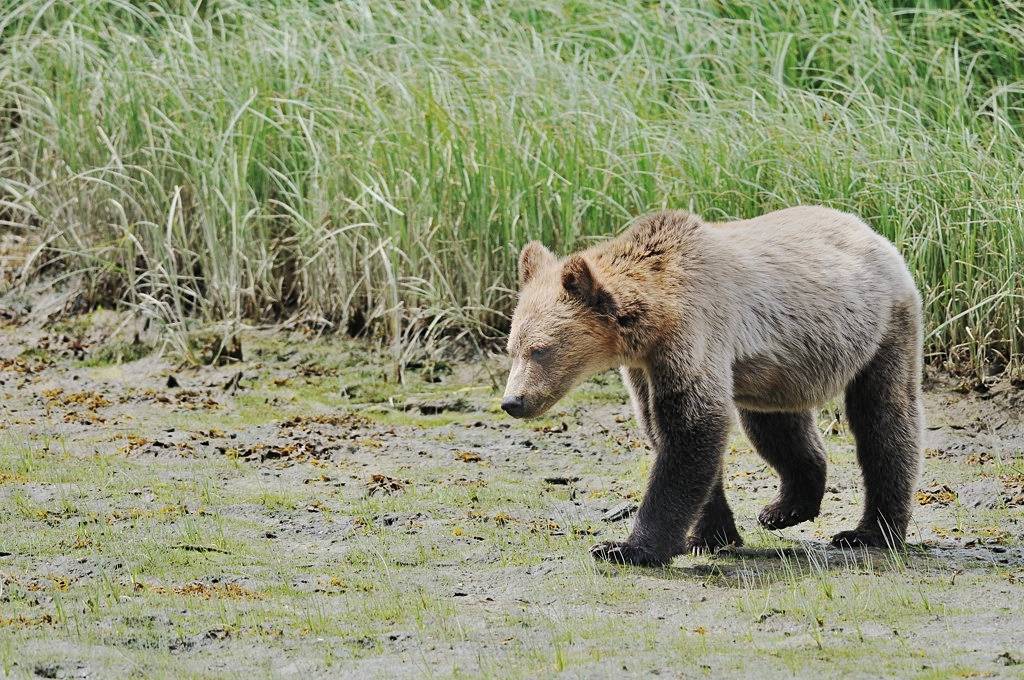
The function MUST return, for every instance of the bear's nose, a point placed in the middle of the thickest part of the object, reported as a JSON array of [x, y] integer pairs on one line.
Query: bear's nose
[[513, 406]]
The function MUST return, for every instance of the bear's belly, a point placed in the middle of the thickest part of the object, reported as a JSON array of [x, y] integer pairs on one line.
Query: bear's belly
[[763, 384]]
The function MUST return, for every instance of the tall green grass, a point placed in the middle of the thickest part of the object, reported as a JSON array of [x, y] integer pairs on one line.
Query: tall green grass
[[377, 164]]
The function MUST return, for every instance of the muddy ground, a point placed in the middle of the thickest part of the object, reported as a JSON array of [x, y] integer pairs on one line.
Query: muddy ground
[[299, 513]]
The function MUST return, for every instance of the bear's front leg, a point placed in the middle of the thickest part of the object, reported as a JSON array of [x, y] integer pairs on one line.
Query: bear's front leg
[[639, 387], [689, 429]]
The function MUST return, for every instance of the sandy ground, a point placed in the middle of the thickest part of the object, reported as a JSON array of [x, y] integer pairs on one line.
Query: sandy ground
[[301, 514]]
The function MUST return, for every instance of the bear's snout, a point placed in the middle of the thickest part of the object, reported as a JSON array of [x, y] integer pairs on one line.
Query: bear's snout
[[514, 406]]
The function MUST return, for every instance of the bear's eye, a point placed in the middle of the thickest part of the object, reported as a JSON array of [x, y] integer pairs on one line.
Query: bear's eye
[[538, 353]]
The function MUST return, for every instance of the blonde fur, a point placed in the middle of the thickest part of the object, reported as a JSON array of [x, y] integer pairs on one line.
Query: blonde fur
[[772, 315]]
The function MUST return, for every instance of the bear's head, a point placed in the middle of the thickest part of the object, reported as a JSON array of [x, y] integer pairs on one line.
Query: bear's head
[[565, 328]]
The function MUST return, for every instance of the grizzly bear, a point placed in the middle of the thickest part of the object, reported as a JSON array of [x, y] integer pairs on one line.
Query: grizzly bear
[[770, 317]]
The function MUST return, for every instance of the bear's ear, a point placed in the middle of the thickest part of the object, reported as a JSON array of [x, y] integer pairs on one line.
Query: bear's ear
[[579, 281], [532, 257]]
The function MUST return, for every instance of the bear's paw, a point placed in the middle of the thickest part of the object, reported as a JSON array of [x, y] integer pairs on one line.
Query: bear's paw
[[782, 513], [624, 552], [863, 538], [713, 542]]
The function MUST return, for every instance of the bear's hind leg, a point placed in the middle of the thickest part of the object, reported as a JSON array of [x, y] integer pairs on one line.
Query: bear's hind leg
[[715, 527], [791, 444], [883, 407]]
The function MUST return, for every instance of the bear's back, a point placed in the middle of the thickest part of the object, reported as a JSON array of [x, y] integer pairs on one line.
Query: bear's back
[[816, 243]]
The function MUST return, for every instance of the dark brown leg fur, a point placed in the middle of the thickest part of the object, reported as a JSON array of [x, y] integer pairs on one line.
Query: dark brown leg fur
[[689, 427], [884, 410], [715, 528], [791, 444]]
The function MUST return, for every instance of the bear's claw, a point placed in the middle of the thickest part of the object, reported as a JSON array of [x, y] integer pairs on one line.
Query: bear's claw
[[624, 552], [780, 514]]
